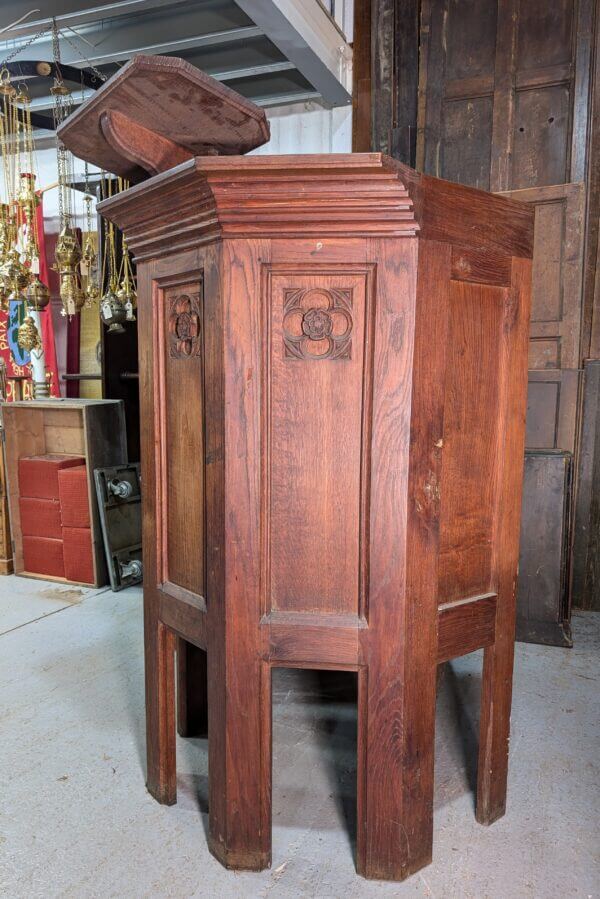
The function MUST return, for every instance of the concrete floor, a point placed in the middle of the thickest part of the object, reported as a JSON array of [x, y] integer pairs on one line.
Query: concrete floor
[[76, 820]]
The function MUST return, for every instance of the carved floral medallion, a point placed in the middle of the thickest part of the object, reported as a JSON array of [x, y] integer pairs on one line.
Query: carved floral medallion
[[317, 323], [184, 325]]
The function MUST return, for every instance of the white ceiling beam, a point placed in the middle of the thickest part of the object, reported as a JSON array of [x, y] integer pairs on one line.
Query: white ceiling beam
[[284, 99], [70, 57], [69, 12], [308, 37], [114, 42]]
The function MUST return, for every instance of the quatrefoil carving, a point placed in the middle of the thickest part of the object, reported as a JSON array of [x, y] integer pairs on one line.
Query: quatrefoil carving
[[184, 325], [317, 323]]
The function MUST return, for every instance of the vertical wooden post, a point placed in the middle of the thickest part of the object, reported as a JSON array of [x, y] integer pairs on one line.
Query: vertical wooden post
[[160, 708], [496, 692], [397, 684], [239, 721]]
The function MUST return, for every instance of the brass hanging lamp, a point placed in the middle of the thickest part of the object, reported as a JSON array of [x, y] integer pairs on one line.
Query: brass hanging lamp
[[127, 293], [89, 256], [113, 311], [68, 251]]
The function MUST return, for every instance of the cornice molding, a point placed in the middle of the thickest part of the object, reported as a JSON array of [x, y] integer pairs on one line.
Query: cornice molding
[[312, 196], [349, 195]]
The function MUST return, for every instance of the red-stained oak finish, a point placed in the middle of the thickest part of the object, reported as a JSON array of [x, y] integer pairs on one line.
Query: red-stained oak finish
[[333, 356]]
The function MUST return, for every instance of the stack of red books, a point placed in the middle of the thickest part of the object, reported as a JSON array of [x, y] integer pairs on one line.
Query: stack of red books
[[55, 517]]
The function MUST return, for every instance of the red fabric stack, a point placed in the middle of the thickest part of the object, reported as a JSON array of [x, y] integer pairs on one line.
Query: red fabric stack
[[42, 555], [79, 559], [55, 517], [40, 517], [76, 533], [38, 475], [73, 493]]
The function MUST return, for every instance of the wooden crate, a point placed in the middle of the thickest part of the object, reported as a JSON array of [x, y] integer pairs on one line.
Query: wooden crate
[[6, 561], [94, 429]]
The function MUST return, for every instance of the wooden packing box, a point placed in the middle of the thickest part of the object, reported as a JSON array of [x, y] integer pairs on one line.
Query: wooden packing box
[[92, 429]]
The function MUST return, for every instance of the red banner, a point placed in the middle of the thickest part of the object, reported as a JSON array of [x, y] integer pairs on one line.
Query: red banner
[[47, 323]]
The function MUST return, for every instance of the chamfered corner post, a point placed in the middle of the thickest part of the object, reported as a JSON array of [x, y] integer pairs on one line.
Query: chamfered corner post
[[239, 676], [397, 683], [240, 777], [161, 778]]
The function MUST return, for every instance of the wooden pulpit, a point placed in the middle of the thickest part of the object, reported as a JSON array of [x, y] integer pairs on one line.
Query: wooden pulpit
[[333, 361]]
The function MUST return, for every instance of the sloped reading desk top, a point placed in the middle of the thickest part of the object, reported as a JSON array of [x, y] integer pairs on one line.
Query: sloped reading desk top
[[157, 112]]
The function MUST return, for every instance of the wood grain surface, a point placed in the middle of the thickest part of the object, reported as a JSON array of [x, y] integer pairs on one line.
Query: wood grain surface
[[355, 410]]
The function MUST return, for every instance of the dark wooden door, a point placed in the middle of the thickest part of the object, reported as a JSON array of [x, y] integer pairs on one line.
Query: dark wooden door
[[504, 89]]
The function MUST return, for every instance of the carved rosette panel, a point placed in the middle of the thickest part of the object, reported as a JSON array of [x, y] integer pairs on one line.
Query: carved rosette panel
[[184, 325], [317, 323]]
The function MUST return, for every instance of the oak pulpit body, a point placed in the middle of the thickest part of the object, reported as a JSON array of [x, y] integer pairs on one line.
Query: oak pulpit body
[[333, 362]]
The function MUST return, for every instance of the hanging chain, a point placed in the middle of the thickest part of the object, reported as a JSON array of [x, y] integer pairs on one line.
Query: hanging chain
[[24, 46], [55, 49], [93, 68], [55, 45]]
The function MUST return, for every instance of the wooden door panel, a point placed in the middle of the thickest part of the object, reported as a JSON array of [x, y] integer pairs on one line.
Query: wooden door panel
[[542, 600], [557, 271], [555, 329], [471, 51], [318, 322], [544, 35], [469, 462], [467, 141], [552, 399], [180, 466], [540, 137], [512, 66]]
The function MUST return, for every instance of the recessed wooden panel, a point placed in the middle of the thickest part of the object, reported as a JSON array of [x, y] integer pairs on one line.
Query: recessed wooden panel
[[552, 402], [542, 411], [544, 33], [534, 71], [544, 353], [542, 604], [316, 411], [546, 299], [541, 134], [470, 51], [182, 450], [467, 141], [557, 274], [470, 439]]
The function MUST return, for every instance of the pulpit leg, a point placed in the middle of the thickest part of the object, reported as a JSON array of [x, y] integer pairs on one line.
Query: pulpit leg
[[494, 730], [395, 775], [160, 711], [192, 709], [239, 765]]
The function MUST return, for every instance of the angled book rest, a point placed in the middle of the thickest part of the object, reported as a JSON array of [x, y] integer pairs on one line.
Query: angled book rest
[[333, 355]]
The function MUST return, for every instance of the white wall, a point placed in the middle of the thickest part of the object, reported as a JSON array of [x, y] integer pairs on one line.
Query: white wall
[[309, 128]]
